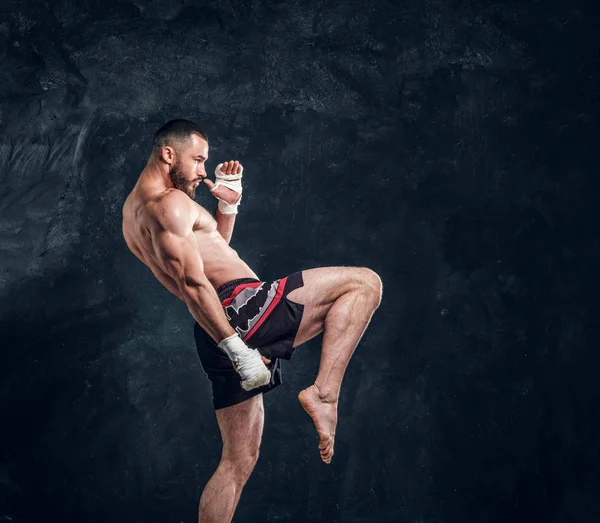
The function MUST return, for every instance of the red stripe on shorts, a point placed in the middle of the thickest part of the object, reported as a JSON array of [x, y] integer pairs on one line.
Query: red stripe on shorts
[[275, 301], [239, 289]]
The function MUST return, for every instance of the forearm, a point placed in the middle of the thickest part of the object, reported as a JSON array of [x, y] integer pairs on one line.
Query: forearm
[[225, 224], [204, 305]]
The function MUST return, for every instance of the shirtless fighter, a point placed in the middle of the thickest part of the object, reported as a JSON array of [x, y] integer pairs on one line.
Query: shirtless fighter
[[243, 326]]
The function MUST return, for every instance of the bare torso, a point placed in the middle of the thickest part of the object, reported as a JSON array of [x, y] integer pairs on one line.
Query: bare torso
[[221, 262]]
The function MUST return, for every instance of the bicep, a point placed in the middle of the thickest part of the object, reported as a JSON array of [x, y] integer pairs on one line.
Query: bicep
[[179, 257]]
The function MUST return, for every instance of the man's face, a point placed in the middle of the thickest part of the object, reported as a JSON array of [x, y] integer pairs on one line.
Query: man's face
[[188, 170]]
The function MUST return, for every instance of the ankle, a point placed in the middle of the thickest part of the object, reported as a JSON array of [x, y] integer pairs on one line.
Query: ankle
[[325, 395]]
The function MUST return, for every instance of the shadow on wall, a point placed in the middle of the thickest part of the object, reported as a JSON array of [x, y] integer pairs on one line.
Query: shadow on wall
[[63, 391], [62, 317]]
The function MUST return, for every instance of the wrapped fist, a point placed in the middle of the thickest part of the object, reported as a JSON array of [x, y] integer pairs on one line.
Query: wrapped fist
[[228, 186]]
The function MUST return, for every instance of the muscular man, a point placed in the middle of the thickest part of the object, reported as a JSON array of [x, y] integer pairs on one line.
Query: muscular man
[[244, 326]]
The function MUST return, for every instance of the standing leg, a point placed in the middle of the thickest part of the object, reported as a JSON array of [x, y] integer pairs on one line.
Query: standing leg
[[338, 301], [241, 428]]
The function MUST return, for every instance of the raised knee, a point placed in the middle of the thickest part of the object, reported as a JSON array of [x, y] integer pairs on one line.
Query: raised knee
[[372, 282]]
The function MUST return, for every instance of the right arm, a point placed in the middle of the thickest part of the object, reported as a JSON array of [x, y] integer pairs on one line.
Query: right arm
[[177, 253]]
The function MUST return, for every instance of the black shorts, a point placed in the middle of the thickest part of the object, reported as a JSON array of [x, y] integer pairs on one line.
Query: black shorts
[[265, 319]]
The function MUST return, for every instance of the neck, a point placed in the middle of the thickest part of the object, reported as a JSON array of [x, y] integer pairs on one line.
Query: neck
[[156, 173]]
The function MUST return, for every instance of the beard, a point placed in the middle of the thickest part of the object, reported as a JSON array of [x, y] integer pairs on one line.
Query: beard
[[180, 181]]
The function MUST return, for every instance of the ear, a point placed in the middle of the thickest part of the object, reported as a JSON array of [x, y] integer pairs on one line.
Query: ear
[[167, 154]]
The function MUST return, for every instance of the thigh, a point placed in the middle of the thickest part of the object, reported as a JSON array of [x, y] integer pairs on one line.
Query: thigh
[[225, 381], [241, 427], [322, 287]]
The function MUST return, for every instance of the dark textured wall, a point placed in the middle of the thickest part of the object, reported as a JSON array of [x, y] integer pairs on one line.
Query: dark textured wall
[[449, 145]]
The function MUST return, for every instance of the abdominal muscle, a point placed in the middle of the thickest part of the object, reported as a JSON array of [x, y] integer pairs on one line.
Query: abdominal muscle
[[221, 263]]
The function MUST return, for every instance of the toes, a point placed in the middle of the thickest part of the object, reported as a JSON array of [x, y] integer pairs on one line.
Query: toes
[[326, 451]]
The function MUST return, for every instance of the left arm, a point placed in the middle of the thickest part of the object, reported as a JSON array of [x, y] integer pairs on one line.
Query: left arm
[[225, 223], [228, 191]]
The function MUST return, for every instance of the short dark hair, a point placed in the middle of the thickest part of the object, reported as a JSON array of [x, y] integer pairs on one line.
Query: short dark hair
[[176, 133]]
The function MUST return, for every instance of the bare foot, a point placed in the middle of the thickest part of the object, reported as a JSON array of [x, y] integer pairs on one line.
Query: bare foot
[[324, 415]]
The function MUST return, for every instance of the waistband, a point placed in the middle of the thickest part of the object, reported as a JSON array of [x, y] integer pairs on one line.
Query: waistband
[[227, 288]]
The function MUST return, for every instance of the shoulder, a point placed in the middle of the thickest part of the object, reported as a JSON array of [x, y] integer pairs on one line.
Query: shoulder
[[173, 211]]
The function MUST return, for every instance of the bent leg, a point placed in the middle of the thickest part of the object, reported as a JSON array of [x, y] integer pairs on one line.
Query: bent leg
[[338, 301], [241, 428]]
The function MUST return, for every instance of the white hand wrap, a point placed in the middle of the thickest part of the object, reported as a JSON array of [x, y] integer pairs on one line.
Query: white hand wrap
[[250, 366], [231, 181]]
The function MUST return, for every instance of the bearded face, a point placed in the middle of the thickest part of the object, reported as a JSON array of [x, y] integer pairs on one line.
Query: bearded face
[[180, 181], [187, 169]]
